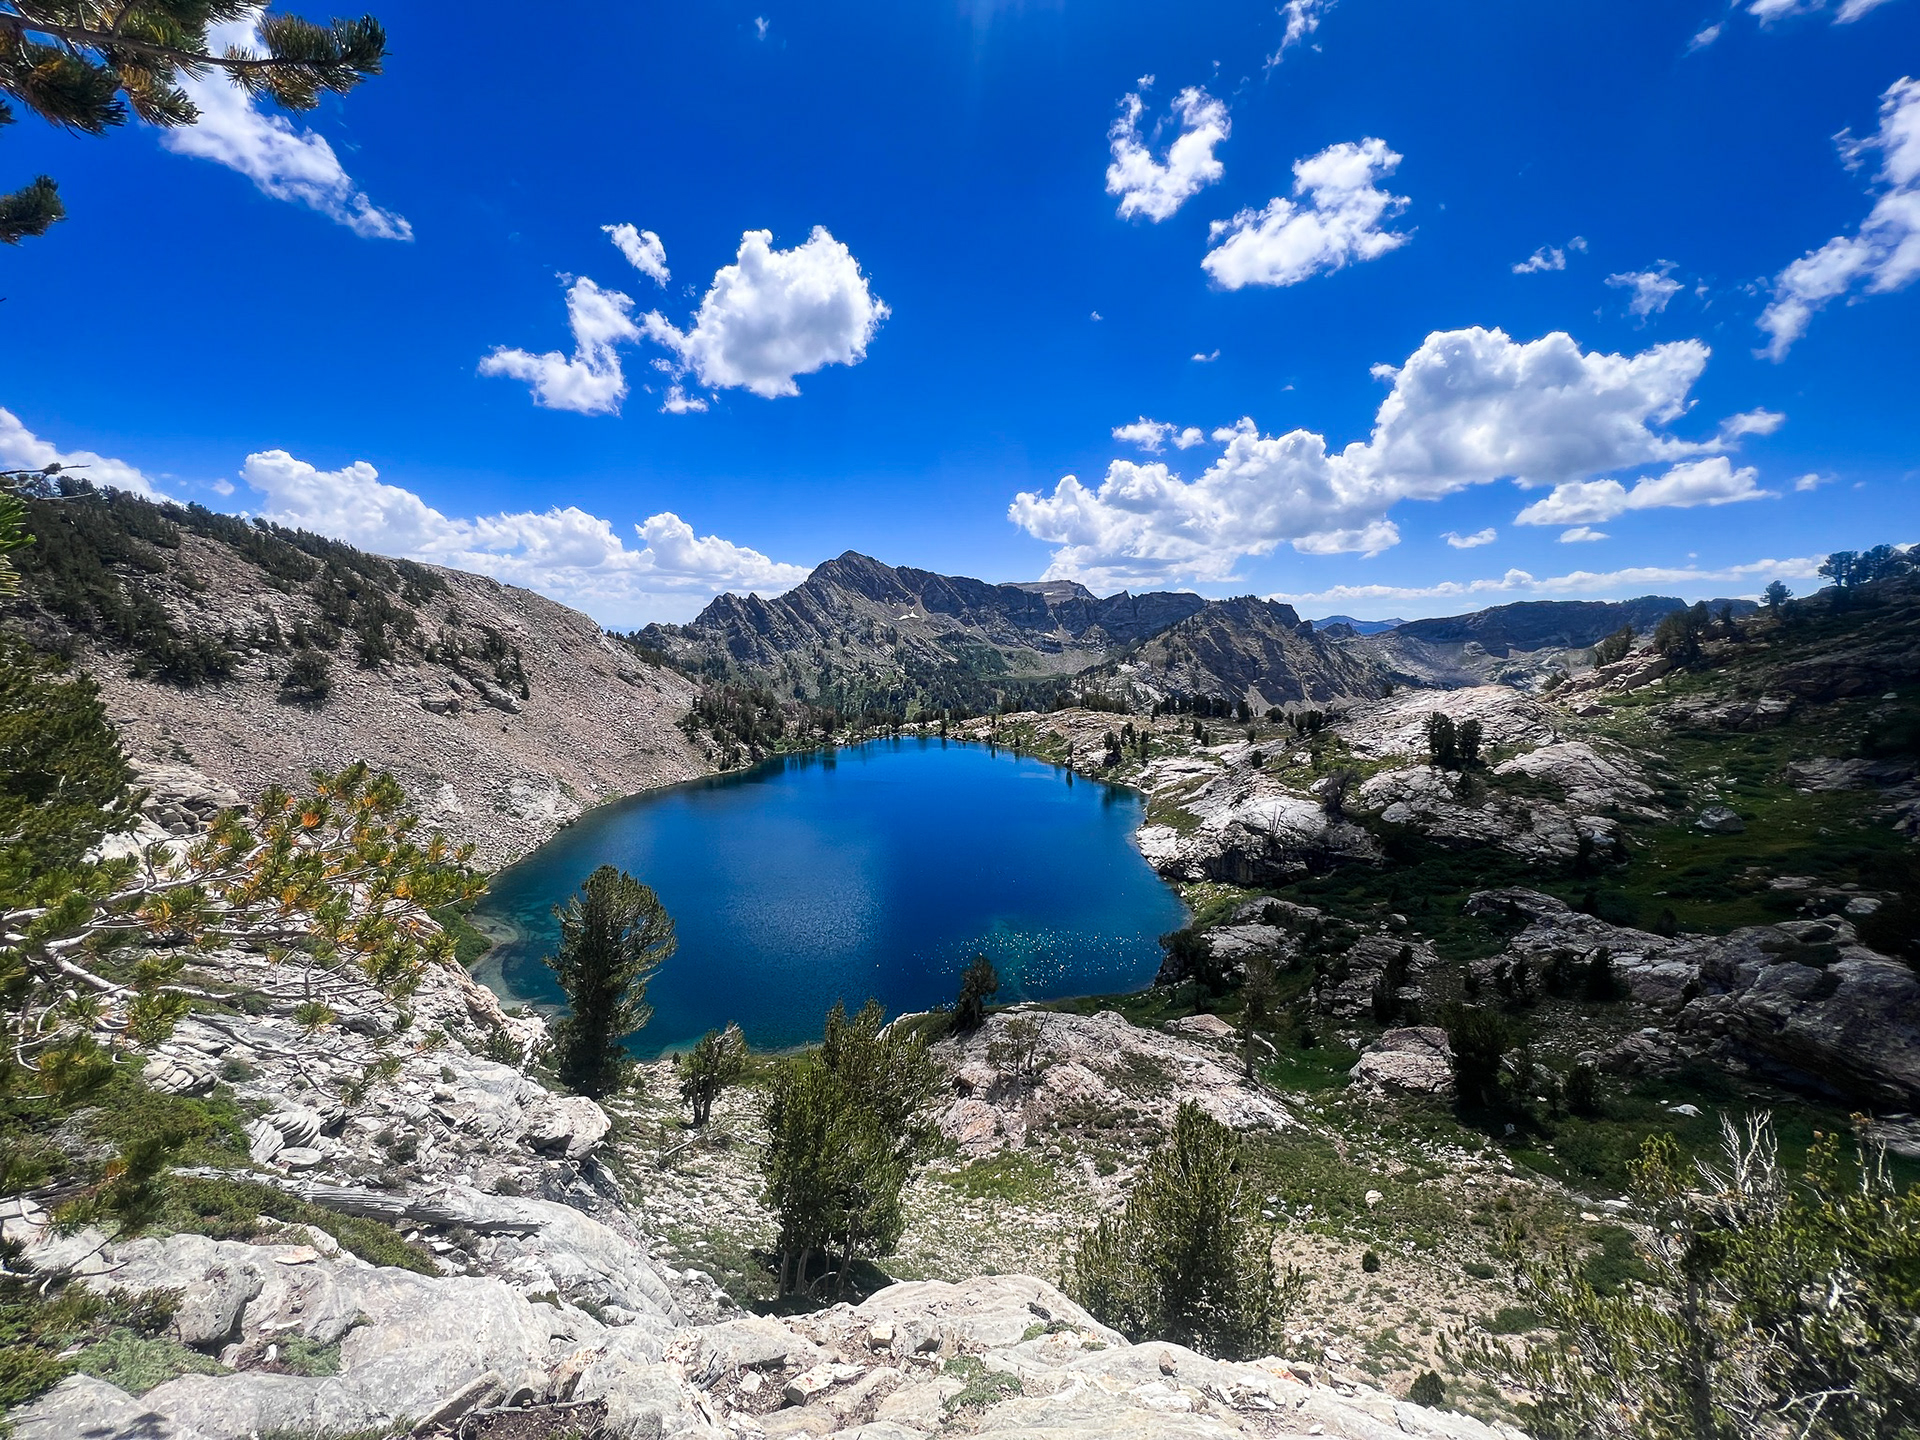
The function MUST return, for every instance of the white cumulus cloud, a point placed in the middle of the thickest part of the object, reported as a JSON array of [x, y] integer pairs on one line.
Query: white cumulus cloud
[[564, 552], [590, 381], [1652, 289], [1158, 188], [1883, 255], [1712, 481], [21, 449], [643, 250], [1334, 221], [1154, 435], [773, 315], [282, 162], [1750, 422], [1468, 407], [1580, 534], [1473, 541]]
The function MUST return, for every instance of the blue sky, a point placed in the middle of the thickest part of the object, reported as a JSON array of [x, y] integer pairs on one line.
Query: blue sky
[[339, 319]]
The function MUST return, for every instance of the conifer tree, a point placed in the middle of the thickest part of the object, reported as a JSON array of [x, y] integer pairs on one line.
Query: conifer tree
[[1775, 1307], [612, 938], [847, 1128], [1615, 647], [979, 982], [1183, 1261], [718, 1060], [87, 65]]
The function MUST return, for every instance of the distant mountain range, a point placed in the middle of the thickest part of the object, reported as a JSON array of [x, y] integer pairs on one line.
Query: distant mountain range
[[1359, 627], [859, 634]]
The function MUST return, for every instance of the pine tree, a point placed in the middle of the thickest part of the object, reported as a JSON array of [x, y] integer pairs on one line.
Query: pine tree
[[63, 778], [847, 1129], [1615, 647], [611, 942], [1183, 1261], [87, 65], [979, 982], [1441, 741], [718, 1060]]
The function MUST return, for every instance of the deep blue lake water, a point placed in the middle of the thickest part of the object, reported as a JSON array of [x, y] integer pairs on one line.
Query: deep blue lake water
[[877, 870]]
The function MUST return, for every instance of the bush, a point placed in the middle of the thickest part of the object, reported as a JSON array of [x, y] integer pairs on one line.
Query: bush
[[1183, 1261], [1428, 1389], [309, 679], [1370, 1262], [1767, 1306], [1583, 1090]]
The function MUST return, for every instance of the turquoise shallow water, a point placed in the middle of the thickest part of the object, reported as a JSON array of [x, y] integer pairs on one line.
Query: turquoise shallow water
[[874, 870]]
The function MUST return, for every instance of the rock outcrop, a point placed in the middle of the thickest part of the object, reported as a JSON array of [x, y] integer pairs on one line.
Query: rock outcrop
[[1803, 1000], [1026, 1069]]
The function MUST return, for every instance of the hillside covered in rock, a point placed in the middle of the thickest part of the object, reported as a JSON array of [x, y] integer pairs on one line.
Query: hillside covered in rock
[[256, 655]]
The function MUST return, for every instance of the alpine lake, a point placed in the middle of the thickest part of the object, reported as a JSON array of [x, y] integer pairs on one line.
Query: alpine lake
[[875, 871]]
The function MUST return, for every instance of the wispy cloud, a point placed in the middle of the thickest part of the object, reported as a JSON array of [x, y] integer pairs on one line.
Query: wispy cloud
[[283, 162]]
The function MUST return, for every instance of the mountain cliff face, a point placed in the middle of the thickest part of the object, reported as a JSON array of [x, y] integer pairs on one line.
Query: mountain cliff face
[[1247, 649], [856, 626], [502, 713]]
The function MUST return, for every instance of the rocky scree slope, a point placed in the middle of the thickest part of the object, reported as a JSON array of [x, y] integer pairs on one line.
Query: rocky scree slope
[[502, 713]]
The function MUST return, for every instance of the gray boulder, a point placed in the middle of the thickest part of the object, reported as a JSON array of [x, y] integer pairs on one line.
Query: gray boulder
[[1720, 820], [83, 1408], [1416, 1060]]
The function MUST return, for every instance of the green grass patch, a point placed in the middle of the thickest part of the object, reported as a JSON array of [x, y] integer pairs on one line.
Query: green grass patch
[[304, 1356], [233, 1210], [137, 1363], [1011, 1176], [36, 1329], [981, 1387], [1291, 1172]]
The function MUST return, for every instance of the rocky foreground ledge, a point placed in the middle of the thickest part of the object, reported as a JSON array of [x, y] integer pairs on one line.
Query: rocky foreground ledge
[[547, 1313], [995, 1355]]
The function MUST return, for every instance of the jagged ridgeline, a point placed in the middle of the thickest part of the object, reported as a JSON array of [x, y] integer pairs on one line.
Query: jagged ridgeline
[[863, 643]]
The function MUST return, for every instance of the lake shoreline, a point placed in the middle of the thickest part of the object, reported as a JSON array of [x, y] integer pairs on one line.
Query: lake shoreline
[[1108, 927]]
